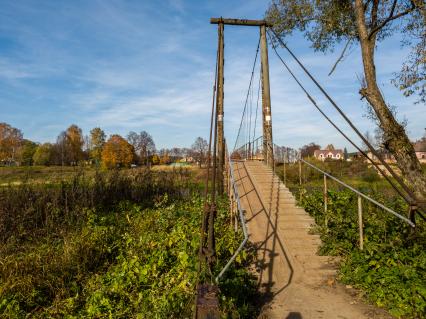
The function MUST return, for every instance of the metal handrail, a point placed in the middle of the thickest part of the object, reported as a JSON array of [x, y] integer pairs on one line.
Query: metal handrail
[[250, 146], [361, 194], [242, 220]]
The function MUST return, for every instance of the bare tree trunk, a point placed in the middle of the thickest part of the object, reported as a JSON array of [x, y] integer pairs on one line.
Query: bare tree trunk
[[396, 140]]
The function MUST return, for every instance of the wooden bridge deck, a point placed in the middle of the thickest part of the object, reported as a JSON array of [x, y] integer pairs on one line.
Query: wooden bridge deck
[[294, 280]]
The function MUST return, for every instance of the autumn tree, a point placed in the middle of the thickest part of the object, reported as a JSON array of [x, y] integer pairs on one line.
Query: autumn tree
[[60, 152], [43, 154], [164, 156], [27, 152], [117, 152], [309, 150], [199, 150], [10, 141], [366, 23], [74, 141], [155, 159], [97, 141], [143, 144]]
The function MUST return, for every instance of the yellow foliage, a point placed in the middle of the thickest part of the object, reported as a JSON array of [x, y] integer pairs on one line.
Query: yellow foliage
[[117, 152], [155, 159], [165, 159]]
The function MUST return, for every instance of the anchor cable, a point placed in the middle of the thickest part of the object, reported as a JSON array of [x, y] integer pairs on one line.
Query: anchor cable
[[336, 127], [409, 196], [247, 95]]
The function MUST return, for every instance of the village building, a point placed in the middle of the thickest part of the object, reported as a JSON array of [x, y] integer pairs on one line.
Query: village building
[[384, 154], [420, 148], [329, 153]]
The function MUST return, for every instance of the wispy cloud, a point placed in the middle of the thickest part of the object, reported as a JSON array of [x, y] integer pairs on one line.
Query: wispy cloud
[[148, 65]]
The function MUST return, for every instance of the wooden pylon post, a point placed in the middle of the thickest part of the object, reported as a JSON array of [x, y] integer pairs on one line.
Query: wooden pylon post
[[268, 152], [219, 105]]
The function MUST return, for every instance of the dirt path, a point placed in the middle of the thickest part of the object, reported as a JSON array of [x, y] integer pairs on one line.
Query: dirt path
[[295, 282]]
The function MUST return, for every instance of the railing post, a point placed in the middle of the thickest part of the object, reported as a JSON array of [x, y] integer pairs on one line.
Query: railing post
[[284, 172], [235, 217], [360, 223], [300, 179], [231, 205], [325, 201], [234, 209]]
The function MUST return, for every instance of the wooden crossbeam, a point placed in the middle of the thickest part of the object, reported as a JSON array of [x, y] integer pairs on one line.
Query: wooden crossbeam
[[255, 23]]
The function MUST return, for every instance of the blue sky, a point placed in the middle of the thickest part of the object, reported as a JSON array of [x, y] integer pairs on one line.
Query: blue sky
[[149, 65]]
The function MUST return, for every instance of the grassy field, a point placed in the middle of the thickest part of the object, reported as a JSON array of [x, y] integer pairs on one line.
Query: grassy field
[[40, 174], [54, 174]]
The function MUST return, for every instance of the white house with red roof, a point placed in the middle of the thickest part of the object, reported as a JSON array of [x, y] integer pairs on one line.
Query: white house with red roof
[[329, 153]]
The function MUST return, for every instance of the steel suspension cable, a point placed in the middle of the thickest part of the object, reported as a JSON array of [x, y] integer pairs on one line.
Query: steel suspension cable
[[209, 158], [409, 196], [249, 122], [247, 95], [335, 126], [257, 105]]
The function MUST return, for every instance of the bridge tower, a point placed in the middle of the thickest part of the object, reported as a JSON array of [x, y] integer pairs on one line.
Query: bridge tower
[[268, 150], [219, 106], [206, 301]]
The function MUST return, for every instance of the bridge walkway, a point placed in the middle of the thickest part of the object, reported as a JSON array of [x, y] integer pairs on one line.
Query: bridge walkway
[[294, 281]]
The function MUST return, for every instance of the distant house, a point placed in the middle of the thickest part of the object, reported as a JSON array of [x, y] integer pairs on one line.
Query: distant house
[[329, 153], [420, 148], [187, 159], [384, 154]]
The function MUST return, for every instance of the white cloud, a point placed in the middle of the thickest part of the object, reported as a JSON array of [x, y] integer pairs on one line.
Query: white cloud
[[149, 65]]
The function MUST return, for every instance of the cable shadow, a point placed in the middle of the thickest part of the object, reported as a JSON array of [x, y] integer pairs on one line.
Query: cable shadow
[[294, 315]]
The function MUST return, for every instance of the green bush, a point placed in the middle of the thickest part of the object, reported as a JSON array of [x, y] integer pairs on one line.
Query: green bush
[[391, 269], [128, 261]]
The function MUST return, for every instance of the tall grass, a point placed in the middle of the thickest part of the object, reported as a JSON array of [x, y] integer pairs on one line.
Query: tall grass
[[32, 210], [120, 244]]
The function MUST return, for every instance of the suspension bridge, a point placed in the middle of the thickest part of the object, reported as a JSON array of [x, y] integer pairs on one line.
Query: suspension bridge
[[292, 277]]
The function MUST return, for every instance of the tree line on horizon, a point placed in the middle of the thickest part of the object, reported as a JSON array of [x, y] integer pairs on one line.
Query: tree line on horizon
[[73, 148]]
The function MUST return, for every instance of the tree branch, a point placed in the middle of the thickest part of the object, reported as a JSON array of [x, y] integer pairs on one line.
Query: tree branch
[[366, 4], [340, 57], [374, 10], [391, 17]]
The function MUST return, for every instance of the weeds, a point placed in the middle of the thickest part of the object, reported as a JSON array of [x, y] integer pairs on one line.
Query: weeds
[[391, 270], [116, 246], [34, 210]]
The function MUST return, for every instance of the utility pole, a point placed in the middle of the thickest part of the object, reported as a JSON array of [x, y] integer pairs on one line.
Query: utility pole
[[219, 105], [268, 152]]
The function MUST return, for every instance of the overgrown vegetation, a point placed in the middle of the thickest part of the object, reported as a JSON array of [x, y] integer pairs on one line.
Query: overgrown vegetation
[[391, 270], [117, 246]]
